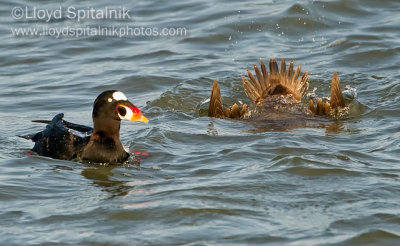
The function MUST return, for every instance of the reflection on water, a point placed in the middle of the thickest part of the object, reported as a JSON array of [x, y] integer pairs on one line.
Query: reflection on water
[[102, 176]]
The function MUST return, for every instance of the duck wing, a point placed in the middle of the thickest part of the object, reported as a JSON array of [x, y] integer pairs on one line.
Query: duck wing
[[216, 110], [60, 139], [73, 126], [337, 99], [336, 105]]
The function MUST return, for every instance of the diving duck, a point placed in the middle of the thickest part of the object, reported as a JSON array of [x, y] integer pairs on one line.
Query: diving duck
[[101, 144], [278, 95]]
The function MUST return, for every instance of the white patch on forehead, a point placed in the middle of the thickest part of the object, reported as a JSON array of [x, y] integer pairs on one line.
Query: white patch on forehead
[[110, 99], [119, 96]]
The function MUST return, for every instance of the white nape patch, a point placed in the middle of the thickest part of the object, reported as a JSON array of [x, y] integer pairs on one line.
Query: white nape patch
[[119, 96], [110, 99]]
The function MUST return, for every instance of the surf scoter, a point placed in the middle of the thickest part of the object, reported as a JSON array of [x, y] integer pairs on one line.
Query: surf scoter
[[101, 144], [278, 95]]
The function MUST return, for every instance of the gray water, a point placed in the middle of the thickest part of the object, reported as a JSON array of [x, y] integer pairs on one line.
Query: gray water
[[205, 181]]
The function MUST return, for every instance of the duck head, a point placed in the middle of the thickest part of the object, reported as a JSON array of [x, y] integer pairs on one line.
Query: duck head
[[112, 106]]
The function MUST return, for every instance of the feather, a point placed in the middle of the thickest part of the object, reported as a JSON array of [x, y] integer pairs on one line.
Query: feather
[[260, 78], [328, 108], [250, 91], [320, 107], [235, 113], [312, 107], [337, 99], [228, 113], [265, 74], [244, 110], [215, 108]]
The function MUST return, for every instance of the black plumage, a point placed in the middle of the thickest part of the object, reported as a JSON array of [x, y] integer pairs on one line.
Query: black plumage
[[101, 144]]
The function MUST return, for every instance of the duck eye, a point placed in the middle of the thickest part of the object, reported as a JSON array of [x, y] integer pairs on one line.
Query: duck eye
[[121, 111]]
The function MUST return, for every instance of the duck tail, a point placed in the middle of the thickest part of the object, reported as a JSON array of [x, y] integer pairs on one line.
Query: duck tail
[[285, 81], [216, 110], [336, 102]]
